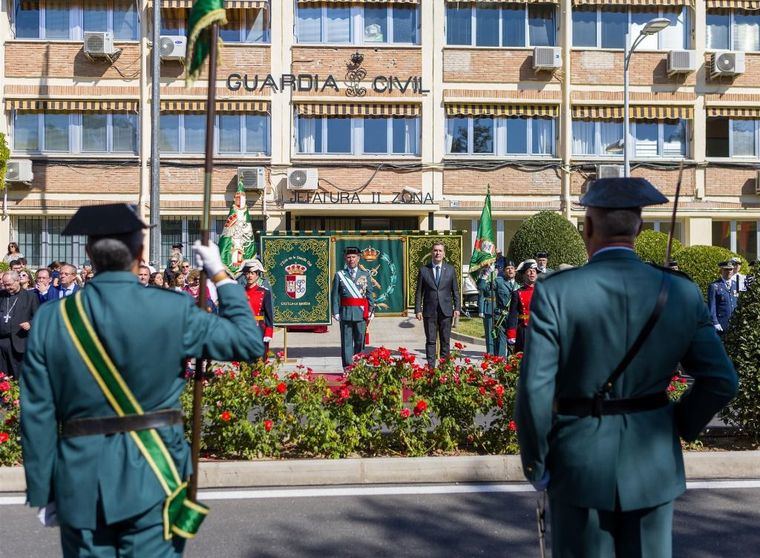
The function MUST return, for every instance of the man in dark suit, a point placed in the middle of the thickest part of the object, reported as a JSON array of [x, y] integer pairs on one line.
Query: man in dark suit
[[17, 307], [437, 301], [68, 285], [722, 298], [43, 288]]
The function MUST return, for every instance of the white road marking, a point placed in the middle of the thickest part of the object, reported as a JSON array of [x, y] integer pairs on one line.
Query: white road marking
[[400, 490]]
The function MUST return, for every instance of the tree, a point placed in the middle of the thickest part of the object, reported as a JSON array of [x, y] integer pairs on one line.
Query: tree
[[652, 245], [548, 232], [5, 154], [701, 263]]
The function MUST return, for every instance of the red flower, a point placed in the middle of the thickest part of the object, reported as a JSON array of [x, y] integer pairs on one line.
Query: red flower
[[225, 416], [458, 346], [343, 393], [405, 413], [4, 437], [281, 387], [513, 426], [499, 390], [420, 407], [268, 424], [4, 386], [293, 376]]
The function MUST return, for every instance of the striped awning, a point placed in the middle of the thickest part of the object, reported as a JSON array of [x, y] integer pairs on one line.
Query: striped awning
[[357, 109], [187, 105], [737, 4], [483, 109], [359, 1], [503, 1], [639, 112], [228, 4], [71, 105], [634, 2], [734, 112]]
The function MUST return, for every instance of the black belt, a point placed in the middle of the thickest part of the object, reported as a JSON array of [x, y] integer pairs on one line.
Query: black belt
[[127, 423], [597, 406]]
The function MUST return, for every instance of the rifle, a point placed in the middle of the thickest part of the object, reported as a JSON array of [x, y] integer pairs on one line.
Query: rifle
[[673, 216]]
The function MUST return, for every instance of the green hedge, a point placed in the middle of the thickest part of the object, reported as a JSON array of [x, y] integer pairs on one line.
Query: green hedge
[[5, 154], [652, 245], [701, 263], [550, 232]]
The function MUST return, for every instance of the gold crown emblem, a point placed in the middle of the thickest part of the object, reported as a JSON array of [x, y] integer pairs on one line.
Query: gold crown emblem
[[370, 254], [295, 269]]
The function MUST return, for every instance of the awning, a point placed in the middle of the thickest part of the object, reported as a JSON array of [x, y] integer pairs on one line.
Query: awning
[[357, 109], [503, 1], [228, 4], [187, 105], [484, 109], [733, 112], [634, 2], [638, 112], [71, 105], [360, 1], [737, 4]]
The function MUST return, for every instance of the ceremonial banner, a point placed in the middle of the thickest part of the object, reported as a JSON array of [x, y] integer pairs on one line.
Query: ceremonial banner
[[202, 15], [298, 269], [384, 258], [418, 254], [237, 242], [484, 253]]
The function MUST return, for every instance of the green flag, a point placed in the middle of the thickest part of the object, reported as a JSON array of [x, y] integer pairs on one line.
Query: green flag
[[237, 242], [202, 15], [484, 252]]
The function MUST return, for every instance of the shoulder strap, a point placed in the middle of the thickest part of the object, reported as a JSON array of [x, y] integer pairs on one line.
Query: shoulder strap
[[662, 299], [349, 284], [182, 517]]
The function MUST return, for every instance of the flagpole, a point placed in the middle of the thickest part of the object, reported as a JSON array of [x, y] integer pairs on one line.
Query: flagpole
[[200, 364]]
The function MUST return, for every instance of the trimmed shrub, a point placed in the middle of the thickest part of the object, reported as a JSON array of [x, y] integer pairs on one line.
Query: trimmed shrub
[[701, 263], [652, 245], [550, 232], [743, 346], [5, 154]]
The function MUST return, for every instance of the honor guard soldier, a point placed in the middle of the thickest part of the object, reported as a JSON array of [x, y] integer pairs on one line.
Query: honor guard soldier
[[353, 305], [104, 449], [594, 421], [259, 299], [519, 307], [722, 298], [494, 295]]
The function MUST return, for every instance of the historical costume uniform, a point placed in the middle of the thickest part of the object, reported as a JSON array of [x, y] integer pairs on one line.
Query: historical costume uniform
[[494, 297], [722, 300], [353, 305], [260, 301], [608, 445], [519, 310], [101, 425]]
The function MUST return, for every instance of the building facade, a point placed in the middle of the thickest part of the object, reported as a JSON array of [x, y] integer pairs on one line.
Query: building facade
[[400, 113]]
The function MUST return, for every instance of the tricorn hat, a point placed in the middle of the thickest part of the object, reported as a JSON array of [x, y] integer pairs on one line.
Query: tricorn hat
[[351, 250], [621, 193], [541, 254], [105, 220]]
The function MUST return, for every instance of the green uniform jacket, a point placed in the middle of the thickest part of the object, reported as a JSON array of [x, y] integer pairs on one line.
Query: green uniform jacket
[[582, 322], [148, 332], [363, 281], [488, 291]]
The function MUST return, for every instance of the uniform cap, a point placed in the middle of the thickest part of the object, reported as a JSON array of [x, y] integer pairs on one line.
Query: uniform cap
[[351, 250], [542, 254], [726, 265], [621, 193], [253, 265], [526, 265], [735, 260], [105, 220], [509, 263]]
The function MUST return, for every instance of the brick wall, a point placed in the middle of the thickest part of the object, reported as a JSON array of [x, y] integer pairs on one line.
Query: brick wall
[[82, 178], [400, 62], [243, 59], [491, 66], [503, 181], [189, 179], [750, 78], [729, 182], [664, 179], [605, 67], [335, 179], [67, 59]]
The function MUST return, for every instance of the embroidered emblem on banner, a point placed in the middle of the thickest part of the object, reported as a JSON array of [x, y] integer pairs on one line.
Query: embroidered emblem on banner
[[295, 281]]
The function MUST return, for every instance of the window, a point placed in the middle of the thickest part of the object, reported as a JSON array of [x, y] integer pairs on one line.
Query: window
[[659, 138], [607, 27], [595, 137], [732, 137], [246, 26], [66, 132], [486, 135], [236, 133], [358, 135], [62, 19], [40, 240], [483, 23], [173, 21], [344, 24], [186, 230], [738, 236], [733, 30]]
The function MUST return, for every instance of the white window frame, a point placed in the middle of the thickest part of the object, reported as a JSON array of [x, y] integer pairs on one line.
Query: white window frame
[[500, 138], [357, 138], [731, 31], [76, 22], [356, 27], [756, 125], [474, 28], [599, 152], [660, 13], [660, 140], [242, 130], [733, 236], [249, 21]]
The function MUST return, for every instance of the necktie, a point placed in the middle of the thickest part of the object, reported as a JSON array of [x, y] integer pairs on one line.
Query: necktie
[[437, 274]]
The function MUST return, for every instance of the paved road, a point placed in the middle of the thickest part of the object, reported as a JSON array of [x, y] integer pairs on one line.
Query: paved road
[[709, 523]]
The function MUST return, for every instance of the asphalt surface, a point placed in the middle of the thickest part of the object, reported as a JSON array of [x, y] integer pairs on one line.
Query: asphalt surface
[[708, 523]]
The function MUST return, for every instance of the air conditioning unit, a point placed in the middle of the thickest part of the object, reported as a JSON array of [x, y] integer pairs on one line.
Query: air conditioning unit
[[726, 63], [682, 61], [302, 179], [98, 44], [173, 47], [19, 171], [610, 171], [252, 178], [547, 58], [757, 183]]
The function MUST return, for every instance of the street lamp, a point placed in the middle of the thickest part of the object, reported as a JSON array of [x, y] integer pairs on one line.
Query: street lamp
[[652, 27]]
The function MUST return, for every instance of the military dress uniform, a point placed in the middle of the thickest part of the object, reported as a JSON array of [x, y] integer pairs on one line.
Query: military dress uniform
[[81, 457], [722, 300], [352, 304], [260, 300], [611, 454], [494, 296], [519, 315]]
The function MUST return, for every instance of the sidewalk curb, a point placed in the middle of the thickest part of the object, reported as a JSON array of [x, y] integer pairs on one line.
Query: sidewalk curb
[[724, 465], [456, 336]]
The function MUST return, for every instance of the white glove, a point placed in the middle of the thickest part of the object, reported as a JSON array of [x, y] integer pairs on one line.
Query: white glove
[[371, 316], [718, 327], [267, 339], [542, 484], [48, 515], [511, 341], [208, 258], [337, 317]]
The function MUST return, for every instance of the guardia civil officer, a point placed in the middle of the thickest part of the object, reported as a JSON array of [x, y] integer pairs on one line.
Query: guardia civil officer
[[353, 305], [101, 428], [722, 298], [494, 295], [595, 425]]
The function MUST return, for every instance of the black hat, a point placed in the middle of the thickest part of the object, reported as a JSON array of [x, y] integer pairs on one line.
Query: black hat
[[509, 263], [177, 245], [541, 255], [105, 220], [725, 265], [621, 193], [351, 250]]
